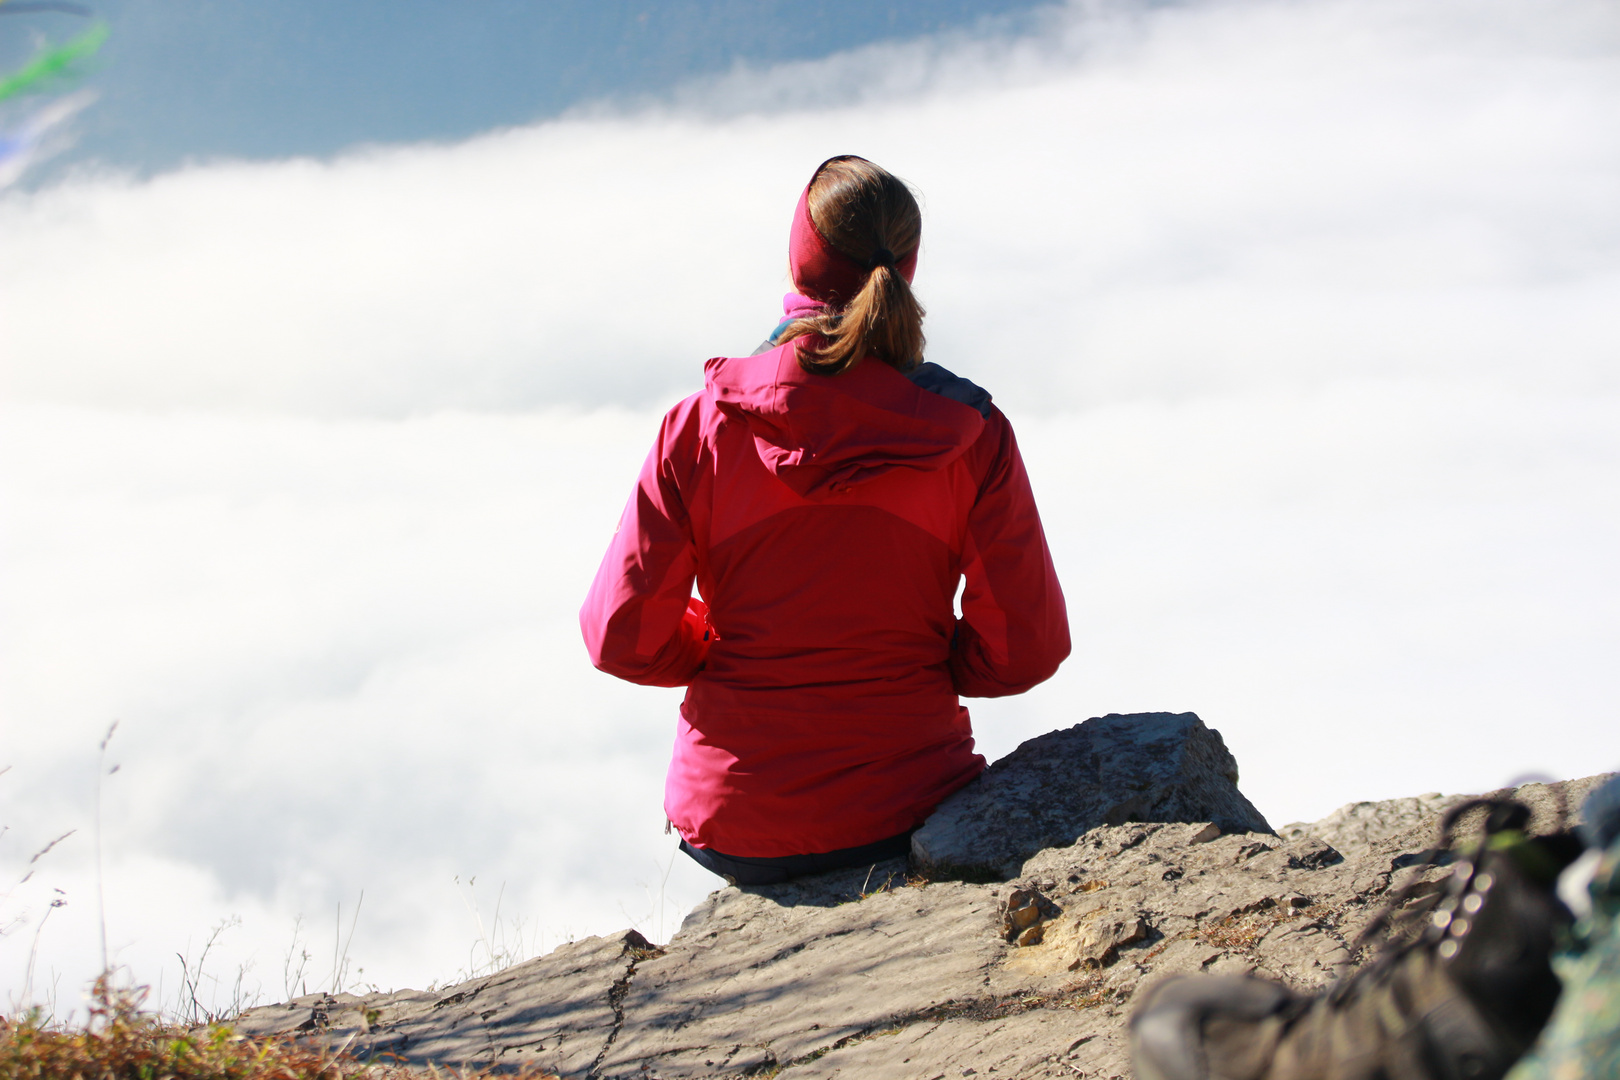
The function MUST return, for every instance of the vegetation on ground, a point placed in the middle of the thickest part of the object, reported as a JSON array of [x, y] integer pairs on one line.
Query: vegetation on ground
[[120, 1042]]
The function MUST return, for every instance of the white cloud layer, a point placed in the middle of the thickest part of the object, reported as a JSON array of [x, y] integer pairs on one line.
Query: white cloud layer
[[1192, 200], [1302, 312]]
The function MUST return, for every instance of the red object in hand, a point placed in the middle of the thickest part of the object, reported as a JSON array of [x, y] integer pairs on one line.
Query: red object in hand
[[697, 622]]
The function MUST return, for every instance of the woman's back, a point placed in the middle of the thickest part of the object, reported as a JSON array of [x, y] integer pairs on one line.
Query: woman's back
[[827, 518], [830, 521], [831, 524]]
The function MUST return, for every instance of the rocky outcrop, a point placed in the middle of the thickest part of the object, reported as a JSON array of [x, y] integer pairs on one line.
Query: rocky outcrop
[[1055, 788], [559, 1009], [1353, 826], [875, 974]]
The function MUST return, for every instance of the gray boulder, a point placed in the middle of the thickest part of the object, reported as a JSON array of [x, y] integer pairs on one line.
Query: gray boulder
[[1159, 767]]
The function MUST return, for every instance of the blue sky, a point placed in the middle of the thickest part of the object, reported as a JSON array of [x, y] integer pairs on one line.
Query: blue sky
[[203, 79]]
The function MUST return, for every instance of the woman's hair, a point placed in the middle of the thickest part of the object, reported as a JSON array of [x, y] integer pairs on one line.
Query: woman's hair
[[869, 215]]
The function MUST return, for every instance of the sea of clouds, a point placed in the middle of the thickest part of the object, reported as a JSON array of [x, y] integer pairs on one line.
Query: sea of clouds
[[1304, 314]]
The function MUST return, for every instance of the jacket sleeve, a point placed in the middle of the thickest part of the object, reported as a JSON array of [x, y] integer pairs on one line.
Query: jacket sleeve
[[1014, 629], [639, 620]]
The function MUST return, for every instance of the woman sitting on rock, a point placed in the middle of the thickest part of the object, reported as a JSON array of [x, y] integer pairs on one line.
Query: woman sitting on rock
[[828, 494]]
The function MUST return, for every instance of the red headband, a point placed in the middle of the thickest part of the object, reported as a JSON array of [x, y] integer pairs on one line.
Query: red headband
[[821, 271]]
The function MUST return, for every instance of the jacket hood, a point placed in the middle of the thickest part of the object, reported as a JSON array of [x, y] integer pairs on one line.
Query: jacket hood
[[826, 433]]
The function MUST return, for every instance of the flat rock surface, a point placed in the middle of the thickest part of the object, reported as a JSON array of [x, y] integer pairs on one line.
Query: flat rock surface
[[875, 975], [554, 1012], [1352, 827], [1054, 788]]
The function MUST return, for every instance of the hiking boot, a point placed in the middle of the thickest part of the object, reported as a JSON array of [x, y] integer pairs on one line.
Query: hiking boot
[[1582, 1040], [1462, 998]]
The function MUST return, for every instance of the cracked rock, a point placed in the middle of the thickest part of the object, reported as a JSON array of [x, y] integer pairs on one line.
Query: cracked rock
[[1026, 911], [553, 1013], [1101, 942]]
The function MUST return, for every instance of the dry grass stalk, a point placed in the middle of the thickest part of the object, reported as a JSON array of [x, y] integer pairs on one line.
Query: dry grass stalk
[[120, 1042]]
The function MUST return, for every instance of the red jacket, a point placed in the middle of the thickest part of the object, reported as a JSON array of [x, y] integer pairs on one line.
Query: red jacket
[[827, 521]]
